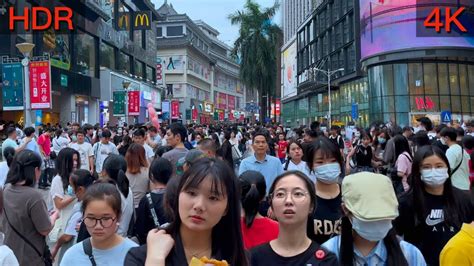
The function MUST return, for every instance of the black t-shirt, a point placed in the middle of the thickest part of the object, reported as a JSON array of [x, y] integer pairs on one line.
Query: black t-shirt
[[337, 140], [363, 156], [144, 222], [327, 218], [432, 233], [315, 255]]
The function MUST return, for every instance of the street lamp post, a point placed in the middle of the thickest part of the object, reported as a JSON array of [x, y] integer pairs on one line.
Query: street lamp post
[[125, 85], [26, 48], [329, 73]]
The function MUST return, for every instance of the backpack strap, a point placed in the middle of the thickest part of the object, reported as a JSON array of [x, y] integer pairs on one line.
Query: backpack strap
[[87, 247], [459, 165], [152, 210]]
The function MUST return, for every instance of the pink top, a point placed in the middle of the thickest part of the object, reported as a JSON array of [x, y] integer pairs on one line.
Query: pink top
[[403, 165], [263, 230]]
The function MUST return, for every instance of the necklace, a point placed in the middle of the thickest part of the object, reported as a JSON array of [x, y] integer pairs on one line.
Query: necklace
[[195, 254]]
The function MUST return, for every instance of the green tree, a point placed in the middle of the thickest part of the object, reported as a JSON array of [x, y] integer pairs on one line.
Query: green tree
[[257, 47]]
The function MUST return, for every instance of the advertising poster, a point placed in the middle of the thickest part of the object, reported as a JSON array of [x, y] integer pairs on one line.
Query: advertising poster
[[12, 76], [40, 85]]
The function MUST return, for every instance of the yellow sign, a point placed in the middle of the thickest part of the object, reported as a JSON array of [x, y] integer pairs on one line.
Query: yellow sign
[[142, 20], [124, 18]]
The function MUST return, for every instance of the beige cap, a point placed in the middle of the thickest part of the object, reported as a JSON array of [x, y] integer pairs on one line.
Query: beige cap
[[369, 196]]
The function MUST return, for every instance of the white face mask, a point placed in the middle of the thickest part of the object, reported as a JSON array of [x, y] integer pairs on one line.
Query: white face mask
[[328, 173], [434, 176], [443, 140], [372, 231]]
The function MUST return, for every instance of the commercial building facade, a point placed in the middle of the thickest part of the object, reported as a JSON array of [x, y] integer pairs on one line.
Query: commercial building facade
[[79, 57], [197, 70], [390, 74]]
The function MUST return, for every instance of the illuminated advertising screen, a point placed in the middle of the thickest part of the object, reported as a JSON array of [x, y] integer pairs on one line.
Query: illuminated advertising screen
[[397, 25]]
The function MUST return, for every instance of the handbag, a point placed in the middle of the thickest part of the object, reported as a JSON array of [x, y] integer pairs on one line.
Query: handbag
[[236, 154], [45, 256]]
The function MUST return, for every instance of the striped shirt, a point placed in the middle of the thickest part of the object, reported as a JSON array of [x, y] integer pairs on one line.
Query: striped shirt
[[378, 256]]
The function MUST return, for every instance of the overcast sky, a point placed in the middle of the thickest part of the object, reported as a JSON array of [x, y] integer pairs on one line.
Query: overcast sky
[[215, 13]]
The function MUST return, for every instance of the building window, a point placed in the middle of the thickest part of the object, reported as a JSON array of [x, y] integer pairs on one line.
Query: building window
[[123, 62], [174, 31], [138, 38], [149, 73], [139, 68], [431, 78], [107, 56], [85, 47], [159, 32]]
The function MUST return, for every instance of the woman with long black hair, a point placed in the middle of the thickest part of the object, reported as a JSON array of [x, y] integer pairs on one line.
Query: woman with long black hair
[[432, 211], [256, 229], [294, 160], [205, 222], [292, 200], [367, 236]]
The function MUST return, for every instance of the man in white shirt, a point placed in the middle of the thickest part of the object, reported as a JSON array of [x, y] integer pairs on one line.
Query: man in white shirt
[[85, 151], [102, 149], [139, 138], [458, 159]]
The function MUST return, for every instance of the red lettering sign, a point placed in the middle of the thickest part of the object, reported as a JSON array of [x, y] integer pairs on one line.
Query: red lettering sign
[[231, 116], [40, 85], [61, 14], [278, 107], [231, 102], [221, 116], [174, 110], [221, 100], [133, 103], [425, 103], [195, 114]]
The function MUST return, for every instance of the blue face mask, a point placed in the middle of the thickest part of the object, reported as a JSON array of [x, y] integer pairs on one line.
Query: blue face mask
[[372, 231], [328, 173], [381, 140], [70, 191]]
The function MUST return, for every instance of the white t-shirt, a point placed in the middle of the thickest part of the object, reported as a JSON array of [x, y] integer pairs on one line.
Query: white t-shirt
[[3, 173], [57, 189], [101, 152], [302, 167], [85, 151], [113, 256], [7, 257], [460, 178], [127, 212], [148, 152], [59, 143]]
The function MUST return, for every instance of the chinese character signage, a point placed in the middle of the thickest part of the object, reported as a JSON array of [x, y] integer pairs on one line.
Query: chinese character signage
[[119, 103], [231, 102], [40, 85], [278, 107], [133, 103], [12, 76], [221, 115], [221, 100], [174, 110], [195, 114], [231, 116]]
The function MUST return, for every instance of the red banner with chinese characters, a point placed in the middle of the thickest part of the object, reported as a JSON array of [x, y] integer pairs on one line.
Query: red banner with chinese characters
[[231, 102], [174, 110], [221, 116], [278, 107], [242, 118], [221, 100], [231, 116], [40, 85], [133, 103], [195, 114]]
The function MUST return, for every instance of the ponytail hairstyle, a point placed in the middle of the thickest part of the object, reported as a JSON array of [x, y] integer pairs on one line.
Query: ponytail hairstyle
[[23, 167], [8, 154], [253, 190], [395, 254], [115, 167], [65, 164]]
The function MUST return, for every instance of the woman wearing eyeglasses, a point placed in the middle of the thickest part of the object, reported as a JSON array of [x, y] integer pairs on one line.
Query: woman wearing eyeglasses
[[293, 200], [101, 208]]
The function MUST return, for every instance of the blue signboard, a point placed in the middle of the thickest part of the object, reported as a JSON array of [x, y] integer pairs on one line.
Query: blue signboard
[[355, 111], [12, 76], [446, 117]]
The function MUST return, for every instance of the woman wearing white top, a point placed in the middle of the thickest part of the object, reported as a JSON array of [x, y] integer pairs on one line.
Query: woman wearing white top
[[115, 168], [8, 154], [59, 141], [295, 160]]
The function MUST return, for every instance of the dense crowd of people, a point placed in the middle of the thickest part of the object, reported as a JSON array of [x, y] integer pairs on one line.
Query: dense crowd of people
[[231, 194]]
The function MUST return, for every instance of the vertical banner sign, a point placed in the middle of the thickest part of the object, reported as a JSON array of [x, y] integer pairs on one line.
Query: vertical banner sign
[[231, 102], [159, 71], [40, 85], [174, 110], [222, 100], [195, 114], [278, 107], [242, 118], [12, 76], [221, 115], [231, 116], [165, 109], [216, 115], [133, 103], [119, 103]]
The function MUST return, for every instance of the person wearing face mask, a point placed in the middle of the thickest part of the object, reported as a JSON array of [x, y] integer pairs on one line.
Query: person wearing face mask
[[367, 237], [363, 156], [432, 211], [326, 161], [458, 159], [295, 161]]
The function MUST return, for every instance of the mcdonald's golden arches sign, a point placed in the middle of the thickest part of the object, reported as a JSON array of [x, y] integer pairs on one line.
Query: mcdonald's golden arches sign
[[139, 20]]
